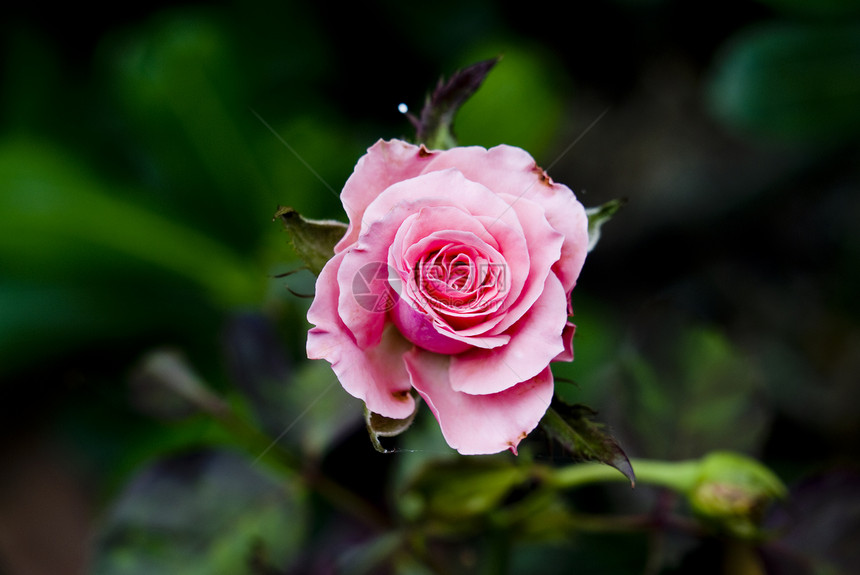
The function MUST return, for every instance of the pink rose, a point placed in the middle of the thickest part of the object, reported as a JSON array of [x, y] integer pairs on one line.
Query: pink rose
[[453, 278]]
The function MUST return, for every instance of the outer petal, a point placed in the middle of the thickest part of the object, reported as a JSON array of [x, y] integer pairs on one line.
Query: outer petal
[[418, 328], [544, 245], [567, 339], [441, 188], [567, 215], [535, 340], [377, 375], [384, 164], [511, 170], [479, 424], [360, 268]]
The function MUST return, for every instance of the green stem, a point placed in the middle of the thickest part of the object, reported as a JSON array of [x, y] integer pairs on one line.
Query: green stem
[[442, 139], [676, 475]]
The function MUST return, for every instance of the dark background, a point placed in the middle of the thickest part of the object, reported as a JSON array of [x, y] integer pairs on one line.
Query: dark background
[[137, 188]]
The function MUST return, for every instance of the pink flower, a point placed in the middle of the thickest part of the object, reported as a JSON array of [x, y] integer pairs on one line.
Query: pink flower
[[453, 278]]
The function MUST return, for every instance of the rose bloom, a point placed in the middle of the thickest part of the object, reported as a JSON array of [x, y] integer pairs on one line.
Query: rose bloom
[[454, 279]]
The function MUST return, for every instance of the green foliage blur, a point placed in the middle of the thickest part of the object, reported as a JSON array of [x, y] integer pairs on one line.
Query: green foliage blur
[[145, 151]]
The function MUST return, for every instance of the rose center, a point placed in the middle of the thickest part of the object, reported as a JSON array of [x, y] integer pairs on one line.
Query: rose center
[[457, 280]]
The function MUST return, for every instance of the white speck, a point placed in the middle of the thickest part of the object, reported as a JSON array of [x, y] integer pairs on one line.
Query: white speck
[[403, 108]]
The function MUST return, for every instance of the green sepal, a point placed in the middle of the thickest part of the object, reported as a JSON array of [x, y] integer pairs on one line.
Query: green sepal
[[434, 128], [313, 240], [572, 426], [599, 215], [381, 426]]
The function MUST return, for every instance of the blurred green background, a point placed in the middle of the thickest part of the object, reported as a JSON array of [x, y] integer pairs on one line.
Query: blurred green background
[[144, 150]]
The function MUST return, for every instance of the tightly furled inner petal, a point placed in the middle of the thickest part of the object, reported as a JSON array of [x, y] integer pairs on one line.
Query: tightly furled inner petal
[[447, 263], [458, 280]]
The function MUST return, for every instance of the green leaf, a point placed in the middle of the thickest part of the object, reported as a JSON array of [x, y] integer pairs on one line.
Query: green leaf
[[793, 81], [55, 215], [571, 425], [313, 240], [381, 426], [435, 126], [599, 215], [201, 514], [461, 488]]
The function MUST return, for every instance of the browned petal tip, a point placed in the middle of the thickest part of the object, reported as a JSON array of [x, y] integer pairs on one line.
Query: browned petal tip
[[542, 175]]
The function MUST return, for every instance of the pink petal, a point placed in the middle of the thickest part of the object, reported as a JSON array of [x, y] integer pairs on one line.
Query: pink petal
[[434, 219], [376, 375], [418, 328], [483, 320], [493, 168], [511, 170], [511, 261], [544, 249], [566, 215], [567, 339], [535, 340], [442, 188], [365, 292], [422, 330], [432, 227], [382, 219], [479, 424], [369, 254], [384, 164]]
